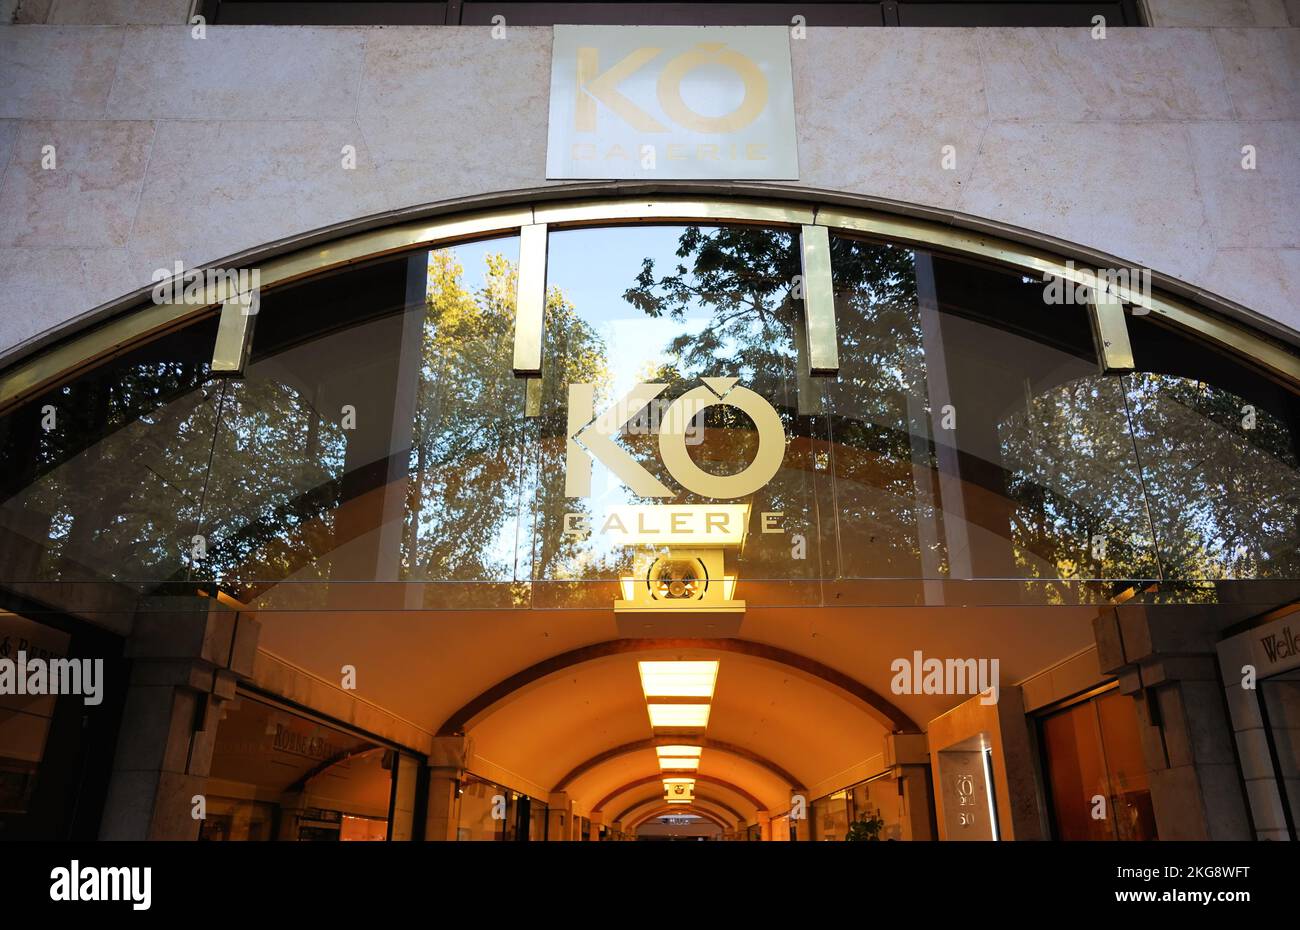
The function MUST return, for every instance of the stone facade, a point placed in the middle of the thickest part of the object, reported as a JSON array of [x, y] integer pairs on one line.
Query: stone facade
[[172, 148]]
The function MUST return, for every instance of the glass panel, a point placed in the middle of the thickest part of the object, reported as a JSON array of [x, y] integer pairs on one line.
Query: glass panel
[[879, 799], [1220, 460], [537, 815], [476, 804], [1130, 787], [304, 461], [973, 436], [314, 775], [670, 307], [882, 456], [26, 719], [1076, 773], [463, 510], [1039, 444], [379, 436], [238, 820], [830, 817], [374, 438], [103, 479], [1281, 694]]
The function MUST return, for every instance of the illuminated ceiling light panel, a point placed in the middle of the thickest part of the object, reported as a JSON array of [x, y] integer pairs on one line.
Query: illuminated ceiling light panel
[[678, 679], [689, 716], [679, 751], [670, 764]]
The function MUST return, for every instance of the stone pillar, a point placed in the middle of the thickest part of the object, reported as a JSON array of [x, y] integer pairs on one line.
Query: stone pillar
[[1165, 658], [446, 770], [907, 756], [958, 741], [187, 655], [764, 825], [559, 817], [593, 834]]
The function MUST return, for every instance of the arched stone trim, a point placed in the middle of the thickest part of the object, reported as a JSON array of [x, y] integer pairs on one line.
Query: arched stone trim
[[715, 744], [889, 716]]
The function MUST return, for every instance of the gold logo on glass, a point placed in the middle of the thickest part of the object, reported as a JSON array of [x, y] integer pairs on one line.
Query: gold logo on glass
[[592, 437]]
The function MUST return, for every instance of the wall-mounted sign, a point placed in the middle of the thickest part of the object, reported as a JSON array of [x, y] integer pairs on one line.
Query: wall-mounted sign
[[672, 102], [1276, 646]]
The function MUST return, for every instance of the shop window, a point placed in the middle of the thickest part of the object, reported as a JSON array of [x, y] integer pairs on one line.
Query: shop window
[[1097, 779], [830, 817], [1281, 698], [277, 774], [489, 811], [238, 820], [56, 750]]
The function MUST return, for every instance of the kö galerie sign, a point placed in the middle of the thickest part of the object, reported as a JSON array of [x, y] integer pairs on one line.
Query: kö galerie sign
[[671, 102], [591, 435]]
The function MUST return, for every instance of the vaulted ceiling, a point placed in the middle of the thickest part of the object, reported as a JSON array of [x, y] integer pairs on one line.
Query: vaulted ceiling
[[551, 700]]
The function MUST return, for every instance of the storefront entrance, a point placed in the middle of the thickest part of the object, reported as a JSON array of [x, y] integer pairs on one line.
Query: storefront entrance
[[740, 521]]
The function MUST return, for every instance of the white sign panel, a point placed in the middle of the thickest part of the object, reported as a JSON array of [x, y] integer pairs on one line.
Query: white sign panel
[[672, 102]]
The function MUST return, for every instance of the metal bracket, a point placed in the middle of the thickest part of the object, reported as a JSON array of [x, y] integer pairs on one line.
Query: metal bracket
[[530, 300], [1110, 333], [533, 397], [234, 334], [819, 300]]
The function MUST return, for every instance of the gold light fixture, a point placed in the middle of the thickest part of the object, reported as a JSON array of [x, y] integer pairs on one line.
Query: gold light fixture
[[690, 580], [679, 790]]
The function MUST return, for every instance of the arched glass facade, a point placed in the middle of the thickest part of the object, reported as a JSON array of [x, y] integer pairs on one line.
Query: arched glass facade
[[385, 484], [969, 445]]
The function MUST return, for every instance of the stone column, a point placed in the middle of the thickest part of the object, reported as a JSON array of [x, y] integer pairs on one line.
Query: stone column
[[907, 756], [187, 655], [559, 817], [1165, 658], [764, 825], [958, 741], [446, 771]]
